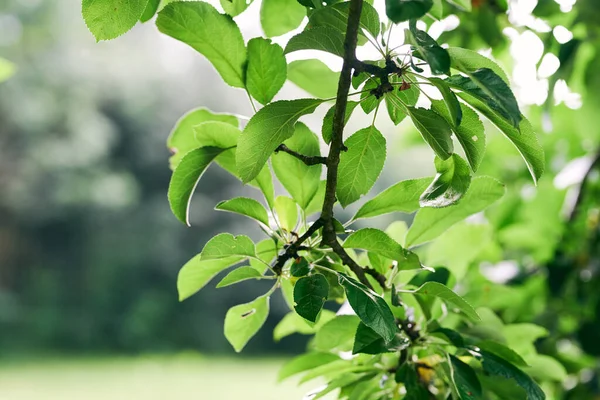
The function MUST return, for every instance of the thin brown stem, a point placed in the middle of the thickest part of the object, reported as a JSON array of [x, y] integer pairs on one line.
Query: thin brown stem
[[308, 160]]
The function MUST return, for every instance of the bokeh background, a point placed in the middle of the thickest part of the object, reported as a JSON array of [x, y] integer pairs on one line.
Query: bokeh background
[[89, 250]]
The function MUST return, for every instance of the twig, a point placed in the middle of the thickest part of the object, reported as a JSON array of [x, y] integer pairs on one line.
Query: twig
[[291, 251], [308, 160]]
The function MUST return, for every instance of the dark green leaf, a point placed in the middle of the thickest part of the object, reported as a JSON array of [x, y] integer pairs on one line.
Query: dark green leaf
[[408, 375], [243, 321], [245, 206], [404, 10], [368, 101], [367, 341], [465, 380], [443, 292], [318, 38], [376, 241], [238, 275], [336, 17], [305, 362], [150, 10], [278, 17], [310, 294], [300, 267], [469, 61], [427, 49], [196, 273], [434, 129], [451, 101], [328, 120], [314, 76], [371, 308], [226, 245], [235, 7], [109, 19], [266, 70], [266, 130], [214, 35], [186, 177], [453, 337], [449, 185], [361, 165]]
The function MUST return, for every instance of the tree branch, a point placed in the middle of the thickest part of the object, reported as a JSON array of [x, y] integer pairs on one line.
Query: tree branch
[[291, 251], [308, 160]]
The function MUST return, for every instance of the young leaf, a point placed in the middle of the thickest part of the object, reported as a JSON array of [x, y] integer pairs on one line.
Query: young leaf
[[310, 294], [300, 180], [226, 245], [182, 138], [427, 49], [266, 70], [266, 250], [278, 17], [150, 10], [266, 130], [367, 341], [465, 380], [235, 7], [429, 223], [196, 273], [305, 362], [214, 35], [449, 185], [400, 197], [336, 17], [327, 128], [469, 61], [243, 321], [186, 177], [376, 241], [487, 87], [287, 212], [238, 275], [396, 99], [337, 335], [451, 101], [318, 38], [372, 309], [470, 132], [443, 292], [314, 76], [245, 206], [109, 19], [361, 165], [404, 10], [434, 129]]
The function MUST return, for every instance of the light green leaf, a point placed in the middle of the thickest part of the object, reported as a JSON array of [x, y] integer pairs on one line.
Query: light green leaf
[[368, 101], [264, 180], [316, 203], [109, 19], [150, 10], [313, 76], [546, 368], [450, 100], [266, 250], [464, 4], [245, 206], [219, 134], [243, 321], [318, 38], [196, 273], [310, 294], [449, 185], [502, 351], [238, 275], [376, 241], [337, 335], [396, 99], [371, 308], [336, 16], [226, 245], [429, 223], [235, 7], [403, 10], [327, 128], [426, 48], [305, 362], [470, 132], [436, 289], [293, 323], [186, 177], [278, 17], [465, 380], [266, 70], [266, 130], [182, 138], [7, 69], [300, 180], [214, 35], [361, 165], [469, 61], [287, 213], [400, 197], [434, 129]]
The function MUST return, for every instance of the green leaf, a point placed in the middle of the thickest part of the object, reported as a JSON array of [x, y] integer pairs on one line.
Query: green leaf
[[400, 197], [337, 335], [293, 323], [109, 19], [300, 180], [316, 203], [464, 4], [300, 267], [376, 241], [313, 76], [150, 10], [244, 320], [502, 351], [266, 70], [305, 362], [403, 10], [470, 132], [226, 245], [287, 213], [465, 380], [336, 17], [185, 179], [368, 101], [235, 7], [266, 130], [264, 180], [429, 223], [266, 250], [469, 61], [367, 341], [238, 275], [451, 101], [278, 17], [182, 138], [449, 185], [495, 365], [7, 69], [245, 206], [546, 368], [524, 138], [434, 129], [320, 38], [371, 308], [426, 48], [361, 165], [310, 294], [436, 289], [396, 99], [487, 87], [196, 273], [214, 35], [219, 134], [327, 128]]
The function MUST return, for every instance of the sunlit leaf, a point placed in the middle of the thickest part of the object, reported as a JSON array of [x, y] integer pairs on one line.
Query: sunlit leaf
[[469, 61], [239, 275], [196, 273], [328, 120], [235, 7], [337, 334], [278, 17], [242, 322], [266, 70], [305, 362], [443, 292], [226, 245], [376, 241], [320, 38], [434, 129], [287, 212], [367, 341], [245, 206], [313, 76], [150, 10], [449, 185], [426, 48], [109, 19]]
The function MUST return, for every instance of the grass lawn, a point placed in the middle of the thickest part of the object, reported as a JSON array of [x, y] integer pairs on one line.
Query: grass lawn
[[147, 378]]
